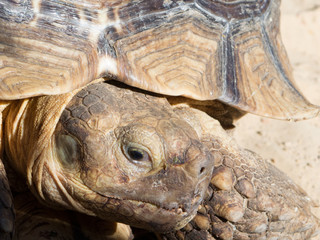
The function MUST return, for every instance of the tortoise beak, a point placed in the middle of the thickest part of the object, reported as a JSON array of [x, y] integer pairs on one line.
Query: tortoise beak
[[168, 197]]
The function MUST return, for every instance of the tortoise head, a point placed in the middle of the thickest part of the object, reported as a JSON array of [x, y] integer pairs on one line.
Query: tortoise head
[[124, 156]]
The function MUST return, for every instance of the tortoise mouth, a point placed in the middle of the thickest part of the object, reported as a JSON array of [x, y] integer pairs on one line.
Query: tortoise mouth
[[170, 207], [174, 208], [150, 215], [162, 219]]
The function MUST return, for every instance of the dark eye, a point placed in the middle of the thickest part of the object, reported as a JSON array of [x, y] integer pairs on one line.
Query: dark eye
[[137, 155]]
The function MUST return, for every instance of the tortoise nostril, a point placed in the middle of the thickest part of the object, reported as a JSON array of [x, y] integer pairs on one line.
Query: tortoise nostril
[[202, 170]]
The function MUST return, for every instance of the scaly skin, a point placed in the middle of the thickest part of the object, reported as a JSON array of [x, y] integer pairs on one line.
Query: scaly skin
[[248, 198], [39, 222], [75, 154]]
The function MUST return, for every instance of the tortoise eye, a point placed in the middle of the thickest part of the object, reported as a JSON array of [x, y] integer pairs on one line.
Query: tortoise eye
[[137, 155]]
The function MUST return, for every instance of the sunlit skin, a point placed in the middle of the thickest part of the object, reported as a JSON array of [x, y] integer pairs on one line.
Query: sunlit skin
[[114, 154], [121, 155]]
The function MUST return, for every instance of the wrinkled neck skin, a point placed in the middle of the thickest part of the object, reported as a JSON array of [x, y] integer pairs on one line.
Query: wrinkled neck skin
[[28, 128], [111, 153]]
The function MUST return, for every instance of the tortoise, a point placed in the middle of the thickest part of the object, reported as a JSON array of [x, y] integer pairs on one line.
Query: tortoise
[[204, 50], [92, 153], [247, 198]]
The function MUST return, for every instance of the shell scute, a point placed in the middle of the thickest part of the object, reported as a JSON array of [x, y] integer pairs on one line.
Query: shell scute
[[179, 58], [250, 67], [227, 49]]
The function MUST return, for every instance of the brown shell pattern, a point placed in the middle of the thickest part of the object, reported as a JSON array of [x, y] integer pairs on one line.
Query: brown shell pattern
[[228, 50]]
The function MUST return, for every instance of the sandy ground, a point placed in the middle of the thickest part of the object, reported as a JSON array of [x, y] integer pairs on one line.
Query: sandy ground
[[294, 147]]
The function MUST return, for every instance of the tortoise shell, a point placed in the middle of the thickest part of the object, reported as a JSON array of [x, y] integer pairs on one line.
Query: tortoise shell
[[224, 49]]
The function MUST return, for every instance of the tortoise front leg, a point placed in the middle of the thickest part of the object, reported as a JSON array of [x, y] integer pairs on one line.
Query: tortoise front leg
[[35, 221], [248, 198]]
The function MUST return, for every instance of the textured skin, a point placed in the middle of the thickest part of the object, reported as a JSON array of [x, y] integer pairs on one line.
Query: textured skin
[[55, 46], [74, 155], [38, 222], [248, 198]]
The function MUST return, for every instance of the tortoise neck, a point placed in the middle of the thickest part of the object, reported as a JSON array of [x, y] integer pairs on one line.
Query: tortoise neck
[[28, 128]]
